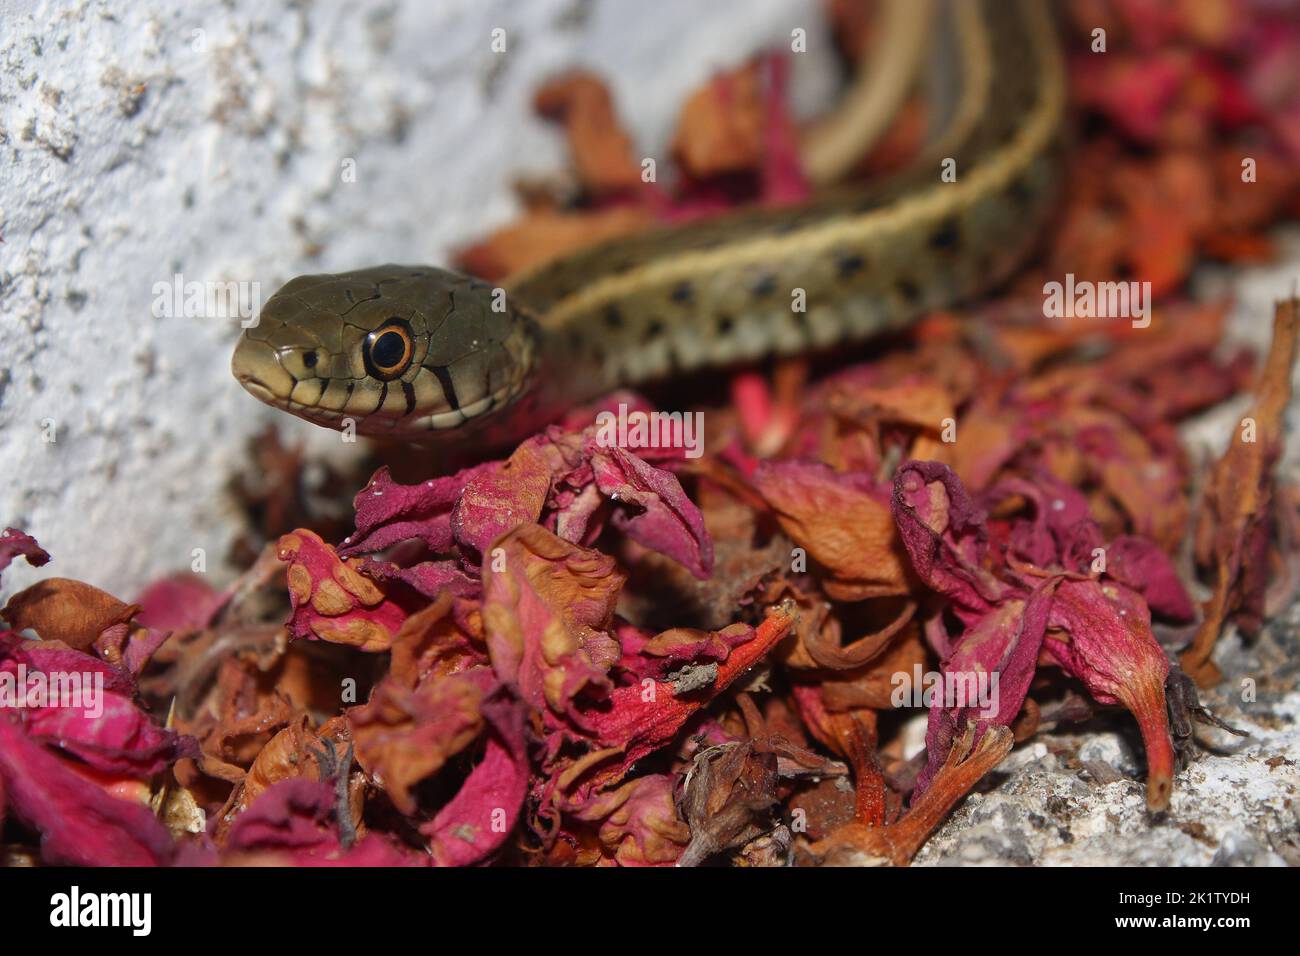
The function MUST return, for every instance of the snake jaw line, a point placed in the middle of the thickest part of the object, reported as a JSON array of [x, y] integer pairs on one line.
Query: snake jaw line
[[462, 357]]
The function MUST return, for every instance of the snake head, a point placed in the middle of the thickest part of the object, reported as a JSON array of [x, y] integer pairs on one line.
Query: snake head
[[405, 352]]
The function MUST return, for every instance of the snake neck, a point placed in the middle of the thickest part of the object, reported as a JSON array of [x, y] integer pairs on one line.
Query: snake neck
[[842, 268]]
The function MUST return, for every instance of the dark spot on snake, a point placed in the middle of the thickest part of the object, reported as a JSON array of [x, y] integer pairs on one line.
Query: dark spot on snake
[[408, 390], [947, 235], [654, 328], [764, 287], [443, 376], [725, 324], [1019, 192], [850, 266], [309, 359], [682, 293], [613, 317], [908, 289]]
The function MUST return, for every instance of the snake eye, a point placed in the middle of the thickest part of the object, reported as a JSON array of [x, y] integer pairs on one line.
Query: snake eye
[[388, 350]]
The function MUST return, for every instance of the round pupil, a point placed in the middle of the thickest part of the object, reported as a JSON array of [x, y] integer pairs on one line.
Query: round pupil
[[309, 359], [388, 349]]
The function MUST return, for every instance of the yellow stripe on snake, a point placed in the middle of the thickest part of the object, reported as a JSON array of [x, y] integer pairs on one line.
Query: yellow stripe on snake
[[419, 353]]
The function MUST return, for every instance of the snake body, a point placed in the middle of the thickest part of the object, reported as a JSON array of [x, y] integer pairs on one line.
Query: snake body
[[419, 352]]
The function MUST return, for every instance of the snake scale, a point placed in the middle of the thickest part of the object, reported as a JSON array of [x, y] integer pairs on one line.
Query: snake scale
[[420, 353]]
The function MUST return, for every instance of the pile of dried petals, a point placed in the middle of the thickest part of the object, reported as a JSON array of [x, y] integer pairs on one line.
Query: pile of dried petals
[[584, 654]]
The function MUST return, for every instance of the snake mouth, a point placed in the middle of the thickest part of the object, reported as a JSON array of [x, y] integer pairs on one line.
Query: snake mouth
[[249, 362], [258, 389], [255, 367]]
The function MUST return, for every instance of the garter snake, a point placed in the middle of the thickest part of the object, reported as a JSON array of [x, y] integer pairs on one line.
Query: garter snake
[[415, 353]]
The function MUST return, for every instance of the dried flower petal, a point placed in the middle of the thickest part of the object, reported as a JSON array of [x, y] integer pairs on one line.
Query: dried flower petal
[[293, 823], [61, 609], [1234, 530], [548, 606], [652, 508], [479, 819], [1108, 644], [79, 822], [388, 512], [843, 525], [14, 543], [602, 151], [404, 735], [640, 718], [332, 600], [944, 534]]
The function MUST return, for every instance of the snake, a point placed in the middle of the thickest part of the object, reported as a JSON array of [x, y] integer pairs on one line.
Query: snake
[[421, 353]]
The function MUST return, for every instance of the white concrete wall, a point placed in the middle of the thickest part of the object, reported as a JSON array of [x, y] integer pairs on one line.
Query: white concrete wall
[[144, 138]]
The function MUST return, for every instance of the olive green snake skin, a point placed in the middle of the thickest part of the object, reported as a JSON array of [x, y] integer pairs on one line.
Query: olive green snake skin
[[420, 353]]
